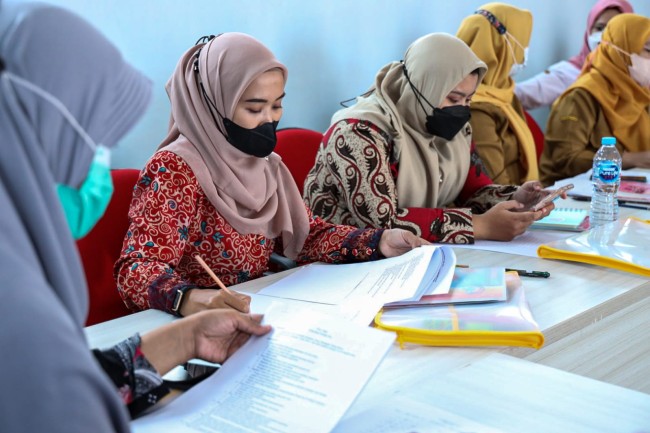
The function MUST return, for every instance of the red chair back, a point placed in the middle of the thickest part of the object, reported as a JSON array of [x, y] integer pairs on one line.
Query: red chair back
[[101, 247], [298, 147], [538, 134]]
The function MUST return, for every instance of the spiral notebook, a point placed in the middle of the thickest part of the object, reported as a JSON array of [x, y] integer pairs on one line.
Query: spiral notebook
[[562, 218]]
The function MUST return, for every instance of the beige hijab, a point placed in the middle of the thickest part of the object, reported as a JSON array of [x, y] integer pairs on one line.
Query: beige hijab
[[255, 195], [436, 64]]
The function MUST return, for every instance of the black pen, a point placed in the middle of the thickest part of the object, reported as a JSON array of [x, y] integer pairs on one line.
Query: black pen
[[633, 205], [535, 274]]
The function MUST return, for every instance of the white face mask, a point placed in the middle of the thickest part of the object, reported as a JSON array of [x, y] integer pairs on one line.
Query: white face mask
[[593, 40], [516, 67], [640, 70]]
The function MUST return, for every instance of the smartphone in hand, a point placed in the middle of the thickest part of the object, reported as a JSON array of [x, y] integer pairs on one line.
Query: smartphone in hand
[[551, 197]]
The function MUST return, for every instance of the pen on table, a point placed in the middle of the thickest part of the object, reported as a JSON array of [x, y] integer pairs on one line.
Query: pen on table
[[212, 274], [535, 274], [630, 178], [462, 266], [633, 205], [621, 203], [635, 178]]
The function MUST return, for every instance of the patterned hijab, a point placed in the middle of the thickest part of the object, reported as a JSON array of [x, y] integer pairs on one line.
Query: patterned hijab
[[601, 6], [255, 195], [436, 64], [623, 101], [495, 48], [45, 299]]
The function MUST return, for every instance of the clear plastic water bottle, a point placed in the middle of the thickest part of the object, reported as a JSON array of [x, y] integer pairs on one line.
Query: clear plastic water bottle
[[606, 178]]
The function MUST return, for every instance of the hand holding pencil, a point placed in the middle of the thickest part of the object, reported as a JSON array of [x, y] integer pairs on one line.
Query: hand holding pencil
[[206, 299]]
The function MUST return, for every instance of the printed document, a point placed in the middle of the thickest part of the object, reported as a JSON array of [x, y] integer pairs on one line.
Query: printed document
[[302, 377], [407, 415], [424, 270]]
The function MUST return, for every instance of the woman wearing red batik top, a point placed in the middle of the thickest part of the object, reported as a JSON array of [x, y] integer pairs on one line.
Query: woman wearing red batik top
[[215, 188]]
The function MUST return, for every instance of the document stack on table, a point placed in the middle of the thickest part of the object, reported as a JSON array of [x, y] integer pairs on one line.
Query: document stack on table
[[489, 323], [358, 291]]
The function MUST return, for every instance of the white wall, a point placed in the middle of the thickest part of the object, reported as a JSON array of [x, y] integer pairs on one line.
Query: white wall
[[332, 48]]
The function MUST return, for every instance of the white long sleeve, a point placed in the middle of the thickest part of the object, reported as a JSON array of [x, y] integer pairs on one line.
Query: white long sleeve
[[544, 88]]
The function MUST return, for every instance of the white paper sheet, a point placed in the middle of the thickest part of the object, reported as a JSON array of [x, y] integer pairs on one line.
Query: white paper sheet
[[383, 280], [407, 415], [302, 377], [523, 245], [361, 313]]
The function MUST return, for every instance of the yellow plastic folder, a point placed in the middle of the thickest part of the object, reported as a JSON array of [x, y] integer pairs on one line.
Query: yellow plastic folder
[[620, 245], [501, 323]]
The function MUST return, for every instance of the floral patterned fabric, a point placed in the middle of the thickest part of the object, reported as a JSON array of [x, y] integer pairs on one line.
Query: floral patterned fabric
[[137, 381], [171, 220], [354, 182]]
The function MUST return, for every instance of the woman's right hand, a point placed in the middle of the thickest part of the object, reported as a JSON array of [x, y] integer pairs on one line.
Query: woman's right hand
[[216, 335], [505, 221], [207, 299], [212, 335]]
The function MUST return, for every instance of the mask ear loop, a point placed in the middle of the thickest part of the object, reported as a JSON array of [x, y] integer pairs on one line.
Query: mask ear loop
[[204, 93], [418, 95], [620, 50], [503, 31], [60, 107], [509, 36]]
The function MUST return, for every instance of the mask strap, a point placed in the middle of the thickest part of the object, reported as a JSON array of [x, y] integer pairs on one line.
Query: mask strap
[[56, 103], [418, 95], [509, 36], [502, 30], [620, 50], [204, 93]]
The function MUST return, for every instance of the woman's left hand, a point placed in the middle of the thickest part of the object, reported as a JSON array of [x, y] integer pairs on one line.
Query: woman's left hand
[[529, 193], [395, 242]]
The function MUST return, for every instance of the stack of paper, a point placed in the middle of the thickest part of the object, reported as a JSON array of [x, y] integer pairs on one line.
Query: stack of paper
[[468, 285], [359, 290]]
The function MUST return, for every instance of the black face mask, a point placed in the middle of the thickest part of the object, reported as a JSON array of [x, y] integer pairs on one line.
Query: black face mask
[[447, 122], [258, 141], [443, 122]]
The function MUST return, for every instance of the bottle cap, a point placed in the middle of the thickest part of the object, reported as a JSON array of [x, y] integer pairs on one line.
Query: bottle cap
[[608, 141]]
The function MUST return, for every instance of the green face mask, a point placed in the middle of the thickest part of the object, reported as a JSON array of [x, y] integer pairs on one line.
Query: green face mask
[[83, 207]]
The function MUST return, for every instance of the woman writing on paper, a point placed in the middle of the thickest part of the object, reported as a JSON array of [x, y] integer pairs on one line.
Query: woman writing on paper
[[402, 156], [499, 35], [611, 98], [61, 108], [544, 88], [215, 188]]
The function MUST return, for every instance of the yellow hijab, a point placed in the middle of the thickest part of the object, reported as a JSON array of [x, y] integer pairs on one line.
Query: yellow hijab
[[496, 49], [623, 101]]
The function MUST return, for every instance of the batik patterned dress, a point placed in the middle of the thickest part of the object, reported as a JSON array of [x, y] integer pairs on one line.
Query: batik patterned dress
[[171, 220], [354, 181]]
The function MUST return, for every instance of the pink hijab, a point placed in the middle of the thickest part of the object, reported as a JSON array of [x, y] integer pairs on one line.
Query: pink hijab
[[255, 195], [601, 5]]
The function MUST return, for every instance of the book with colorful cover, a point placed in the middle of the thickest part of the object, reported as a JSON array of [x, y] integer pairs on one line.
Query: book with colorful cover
[[571, 219], [482, 284]]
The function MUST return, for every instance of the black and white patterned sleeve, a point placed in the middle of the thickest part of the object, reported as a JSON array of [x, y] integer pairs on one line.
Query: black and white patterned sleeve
[[137, 381]]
